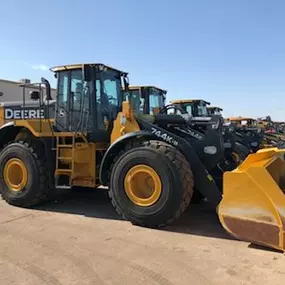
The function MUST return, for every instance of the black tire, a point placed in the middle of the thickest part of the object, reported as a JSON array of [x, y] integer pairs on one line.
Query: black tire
[[175, 175], [197, 197], [38, 184]]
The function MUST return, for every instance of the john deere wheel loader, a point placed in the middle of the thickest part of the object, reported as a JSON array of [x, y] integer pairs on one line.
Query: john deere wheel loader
[[145, 99], [214, 110], [95, 139], [235, 151]]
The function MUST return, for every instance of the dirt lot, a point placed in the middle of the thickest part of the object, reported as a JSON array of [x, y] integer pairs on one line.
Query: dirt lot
[[79, 239]]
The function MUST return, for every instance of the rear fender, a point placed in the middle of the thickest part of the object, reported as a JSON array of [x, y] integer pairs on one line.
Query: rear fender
[[8, 133]]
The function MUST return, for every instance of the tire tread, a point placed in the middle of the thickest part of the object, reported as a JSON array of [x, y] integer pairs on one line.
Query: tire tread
[[176, 157]]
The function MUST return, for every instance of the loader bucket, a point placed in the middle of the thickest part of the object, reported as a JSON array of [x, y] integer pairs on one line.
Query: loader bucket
[[253, 204]]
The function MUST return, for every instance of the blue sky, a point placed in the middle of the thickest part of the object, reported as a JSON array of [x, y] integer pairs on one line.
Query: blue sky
[[229, 52]]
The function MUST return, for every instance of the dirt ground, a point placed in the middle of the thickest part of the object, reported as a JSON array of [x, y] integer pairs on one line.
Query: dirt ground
[[79, 239]]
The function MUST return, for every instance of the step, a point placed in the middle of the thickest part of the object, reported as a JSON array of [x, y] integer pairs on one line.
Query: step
[[64, 145], [86, 178], [64, 187], [64, 158], [63, 171]]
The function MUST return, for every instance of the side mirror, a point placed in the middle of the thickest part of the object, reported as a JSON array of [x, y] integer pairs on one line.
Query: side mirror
[[1, 94], [126, 83], [34, 95]]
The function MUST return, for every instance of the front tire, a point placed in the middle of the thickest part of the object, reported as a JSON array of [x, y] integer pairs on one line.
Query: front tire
[[24, 176], [151, 166]]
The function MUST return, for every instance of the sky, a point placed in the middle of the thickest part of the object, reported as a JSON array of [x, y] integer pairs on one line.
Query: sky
[[228, 52]]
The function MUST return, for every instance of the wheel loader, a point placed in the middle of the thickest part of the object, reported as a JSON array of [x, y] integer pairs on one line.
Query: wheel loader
[[235, 150], [145, 99], [214, 110], [95, 139], [253, 134]]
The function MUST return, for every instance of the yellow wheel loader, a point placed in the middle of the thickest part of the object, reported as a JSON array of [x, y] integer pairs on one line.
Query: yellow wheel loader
[[145, 99], [214, 110], [96, 139], [235, 150]]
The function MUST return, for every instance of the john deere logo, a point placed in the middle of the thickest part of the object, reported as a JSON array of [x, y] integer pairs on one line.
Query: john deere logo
[[17, 114]]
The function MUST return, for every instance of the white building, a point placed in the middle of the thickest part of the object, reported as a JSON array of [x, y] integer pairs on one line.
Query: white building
[[11, 91]]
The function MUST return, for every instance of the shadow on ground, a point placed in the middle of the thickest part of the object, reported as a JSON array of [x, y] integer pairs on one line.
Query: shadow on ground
[[86, 202], [199, 219]]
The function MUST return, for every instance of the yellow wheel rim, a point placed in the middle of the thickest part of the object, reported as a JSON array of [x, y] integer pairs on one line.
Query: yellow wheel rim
[[15, 174], [143, 185]]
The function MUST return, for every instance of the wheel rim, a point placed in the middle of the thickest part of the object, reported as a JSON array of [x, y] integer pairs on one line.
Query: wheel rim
[[15, 174], [143, 185]]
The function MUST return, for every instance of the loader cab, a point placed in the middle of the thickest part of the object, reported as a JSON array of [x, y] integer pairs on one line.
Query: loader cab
[[89, 98], [194, 107], [145, 99], [213, 110], [242, 121]]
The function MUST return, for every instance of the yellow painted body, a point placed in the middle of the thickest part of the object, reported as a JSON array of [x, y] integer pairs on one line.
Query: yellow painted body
[[185, 101], [238, 120], [2, 117], [139, 87], [124, 123], [253, 204], [78, 162]]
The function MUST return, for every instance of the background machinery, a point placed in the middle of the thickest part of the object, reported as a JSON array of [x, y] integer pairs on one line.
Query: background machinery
[[214, 110], [149, 168], [145, 99], [235, 150]]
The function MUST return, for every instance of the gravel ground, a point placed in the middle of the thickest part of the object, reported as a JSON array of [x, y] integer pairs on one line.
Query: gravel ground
[[79, 239]]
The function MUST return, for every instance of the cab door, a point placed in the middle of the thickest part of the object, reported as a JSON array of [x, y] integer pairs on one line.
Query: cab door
[[73, 104]]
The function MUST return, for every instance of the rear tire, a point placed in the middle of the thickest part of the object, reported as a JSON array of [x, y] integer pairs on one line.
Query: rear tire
[[37, 185], [176, 183]]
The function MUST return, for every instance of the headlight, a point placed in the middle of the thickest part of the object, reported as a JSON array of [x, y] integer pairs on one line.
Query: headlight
[[210, 149], [123, 120]]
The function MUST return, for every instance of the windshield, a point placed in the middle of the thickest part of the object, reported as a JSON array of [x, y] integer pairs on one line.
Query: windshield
[[108, 96], [156, 100], [202, 109], [189, 109], [134, 97], [215, 112]]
